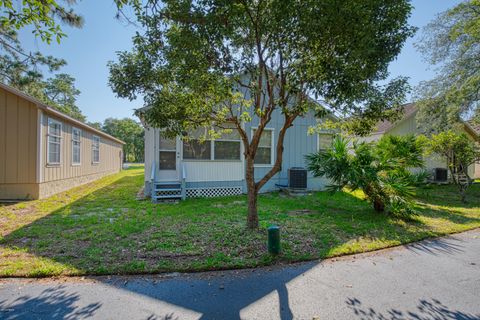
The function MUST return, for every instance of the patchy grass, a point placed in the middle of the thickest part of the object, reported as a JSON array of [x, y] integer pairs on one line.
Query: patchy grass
[[100, 228]]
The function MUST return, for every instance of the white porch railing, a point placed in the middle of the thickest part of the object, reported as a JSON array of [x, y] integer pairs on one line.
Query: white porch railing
[[152, 172], [183, 183]]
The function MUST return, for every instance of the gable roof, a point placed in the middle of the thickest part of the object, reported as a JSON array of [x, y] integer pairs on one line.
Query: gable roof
[[57, 113], [409, 110], [475, 126]]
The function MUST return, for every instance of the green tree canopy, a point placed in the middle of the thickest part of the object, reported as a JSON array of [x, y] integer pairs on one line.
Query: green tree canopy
[[60, 92], [25, 70], [131, 132], [17, 66], [206, 62], [451, 42]]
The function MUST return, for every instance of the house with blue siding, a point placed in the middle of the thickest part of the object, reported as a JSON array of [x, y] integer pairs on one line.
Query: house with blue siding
[[195, 167]]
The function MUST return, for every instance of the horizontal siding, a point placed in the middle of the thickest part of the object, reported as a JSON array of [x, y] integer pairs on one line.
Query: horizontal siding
[[213, 171], [18, 139], [110, 154]]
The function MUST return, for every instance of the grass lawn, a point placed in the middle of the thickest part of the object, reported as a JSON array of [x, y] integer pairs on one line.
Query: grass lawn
[[100, 228]]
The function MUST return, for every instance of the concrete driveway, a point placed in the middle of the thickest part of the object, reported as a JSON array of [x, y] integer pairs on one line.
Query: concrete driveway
[[435, 279]]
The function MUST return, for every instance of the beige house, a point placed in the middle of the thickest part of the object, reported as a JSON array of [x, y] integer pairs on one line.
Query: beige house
[[408, 125], [43, 151], [476, 127]]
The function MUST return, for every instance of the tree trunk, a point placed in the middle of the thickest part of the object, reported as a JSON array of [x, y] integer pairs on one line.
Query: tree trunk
[[463, 192], [456, 180], [252, 217], [378, 205]]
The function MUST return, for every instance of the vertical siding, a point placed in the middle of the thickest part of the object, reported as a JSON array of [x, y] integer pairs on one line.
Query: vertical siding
[[149, 151], [297, 144], [409, 126], [3, 135], [109, 154], [18, 128]]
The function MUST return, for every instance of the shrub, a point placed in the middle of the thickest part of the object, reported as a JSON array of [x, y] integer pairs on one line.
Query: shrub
[[383, 170]]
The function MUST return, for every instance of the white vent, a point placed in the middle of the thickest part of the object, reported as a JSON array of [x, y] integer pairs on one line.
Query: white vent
[[213, 192]]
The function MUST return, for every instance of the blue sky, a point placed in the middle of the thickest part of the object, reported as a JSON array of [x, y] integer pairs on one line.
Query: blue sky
[[88, 50]]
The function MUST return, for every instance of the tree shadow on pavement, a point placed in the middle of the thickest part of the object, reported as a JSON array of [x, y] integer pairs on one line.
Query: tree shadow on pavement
[[221, 297], [426, 310], [439, 246], [52, 303]]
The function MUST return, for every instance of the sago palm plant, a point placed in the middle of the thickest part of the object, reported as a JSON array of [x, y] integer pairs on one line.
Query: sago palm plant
[[382, 170]]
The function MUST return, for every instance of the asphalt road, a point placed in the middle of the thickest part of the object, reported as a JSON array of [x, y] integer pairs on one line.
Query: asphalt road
[[436, 279]]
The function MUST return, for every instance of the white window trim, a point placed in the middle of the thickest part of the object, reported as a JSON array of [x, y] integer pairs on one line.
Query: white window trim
[[212, 151], [80, 146], [173, 149], [272, 151], [93, 139], [49, 163], [318, 139]]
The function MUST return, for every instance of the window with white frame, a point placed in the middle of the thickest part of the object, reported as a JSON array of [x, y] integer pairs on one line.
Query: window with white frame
[[95, 149], [76, 139], [226, 147], [325, 141], [54, 141], [264, 155]]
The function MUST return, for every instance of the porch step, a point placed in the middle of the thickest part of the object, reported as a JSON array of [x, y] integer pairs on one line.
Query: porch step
[[167, 184], [166, 191], [167, 197]]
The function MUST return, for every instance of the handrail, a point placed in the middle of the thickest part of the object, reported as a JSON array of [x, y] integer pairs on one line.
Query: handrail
[[183, 183], [184, 172], [152, 173]]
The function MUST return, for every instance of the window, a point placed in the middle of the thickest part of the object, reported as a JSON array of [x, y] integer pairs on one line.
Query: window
[[325, 141], [54, 142], [76, 137], [95, 149], [264, 155], [168, 154], [227, 147], [195, 149]]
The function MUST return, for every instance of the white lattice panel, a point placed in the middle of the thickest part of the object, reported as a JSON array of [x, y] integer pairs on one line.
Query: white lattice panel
[[213, 192]]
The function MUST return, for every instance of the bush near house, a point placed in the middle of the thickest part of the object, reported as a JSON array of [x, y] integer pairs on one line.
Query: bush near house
[[100, 228], [381, 170]]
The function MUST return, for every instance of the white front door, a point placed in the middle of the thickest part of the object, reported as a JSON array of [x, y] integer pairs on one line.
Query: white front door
[[168, 159]]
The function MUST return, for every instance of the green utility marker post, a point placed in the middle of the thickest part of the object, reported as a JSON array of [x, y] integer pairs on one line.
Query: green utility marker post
[[274, 239]]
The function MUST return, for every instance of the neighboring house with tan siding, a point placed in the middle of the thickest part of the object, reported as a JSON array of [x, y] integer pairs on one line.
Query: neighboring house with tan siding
[[408, 125], [476, 127], [43, 151]]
